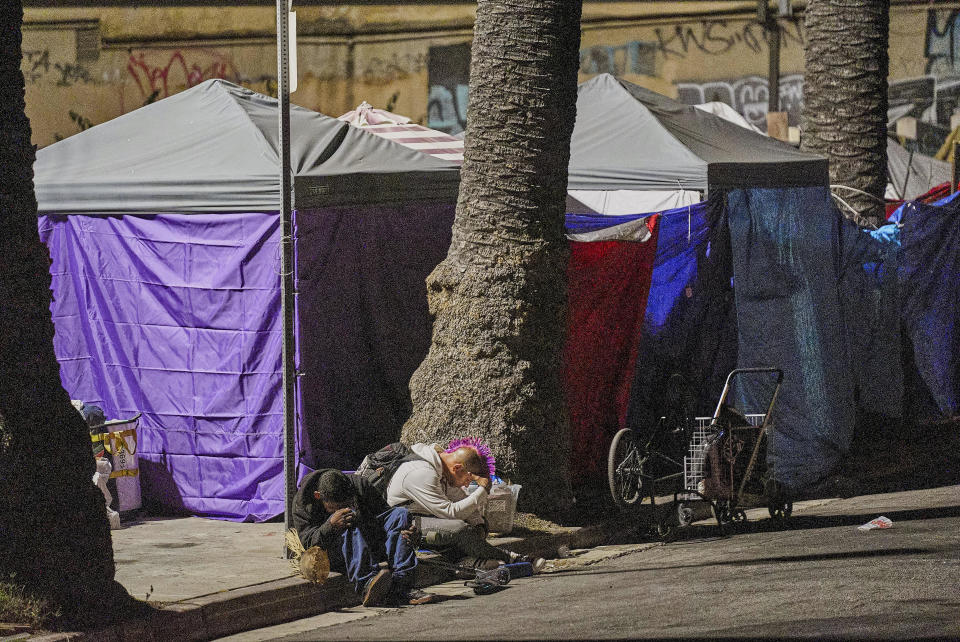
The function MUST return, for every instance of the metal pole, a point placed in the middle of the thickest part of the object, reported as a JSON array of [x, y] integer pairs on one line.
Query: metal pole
[[286, 251], [774, 69]]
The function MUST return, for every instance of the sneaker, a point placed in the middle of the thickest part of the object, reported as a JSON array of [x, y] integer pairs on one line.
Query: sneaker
[[478, 564], [415, 597], [536, 562], [377, 588]]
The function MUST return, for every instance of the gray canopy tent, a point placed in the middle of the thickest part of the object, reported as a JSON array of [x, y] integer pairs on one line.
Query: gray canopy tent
[[214, 148], [627, 137], [164, 233]]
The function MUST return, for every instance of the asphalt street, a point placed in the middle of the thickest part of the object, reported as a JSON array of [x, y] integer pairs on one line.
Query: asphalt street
[[816, 577]]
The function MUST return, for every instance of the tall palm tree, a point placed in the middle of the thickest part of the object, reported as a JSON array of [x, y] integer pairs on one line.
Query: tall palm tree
[[498, 299], [845, 96], [54, 534]]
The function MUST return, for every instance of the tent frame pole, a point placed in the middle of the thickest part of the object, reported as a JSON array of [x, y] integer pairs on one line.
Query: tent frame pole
[[286, 251]]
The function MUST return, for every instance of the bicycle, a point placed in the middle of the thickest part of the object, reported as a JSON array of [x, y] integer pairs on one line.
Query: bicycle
[[712, 468], [645, 470]]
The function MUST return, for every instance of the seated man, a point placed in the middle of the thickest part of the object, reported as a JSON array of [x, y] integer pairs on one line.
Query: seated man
[[349, 519], [451, 522]]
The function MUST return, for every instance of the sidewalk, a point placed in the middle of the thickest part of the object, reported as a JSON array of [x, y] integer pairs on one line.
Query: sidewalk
[[212, 578]]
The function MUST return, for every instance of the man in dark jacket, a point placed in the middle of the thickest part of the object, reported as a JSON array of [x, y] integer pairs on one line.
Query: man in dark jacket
[[351, 521]]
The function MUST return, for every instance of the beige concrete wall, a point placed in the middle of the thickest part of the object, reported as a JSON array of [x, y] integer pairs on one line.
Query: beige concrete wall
[[88, 65]]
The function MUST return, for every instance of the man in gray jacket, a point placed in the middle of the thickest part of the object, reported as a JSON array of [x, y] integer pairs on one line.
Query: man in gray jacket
[[451, 521]]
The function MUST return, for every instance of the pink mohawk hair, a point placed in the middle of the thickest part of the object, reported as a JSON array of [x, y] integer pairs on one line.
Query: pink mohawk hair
[[482, 449]]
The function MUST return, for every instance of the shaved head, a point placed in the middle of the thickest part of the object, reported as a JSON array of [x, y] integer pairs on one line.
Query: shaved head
[[471, 460]]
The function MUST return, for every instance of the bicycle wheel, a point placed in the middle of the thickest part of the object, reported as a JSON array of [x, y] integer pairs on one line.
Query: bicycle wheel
[[624, 469]]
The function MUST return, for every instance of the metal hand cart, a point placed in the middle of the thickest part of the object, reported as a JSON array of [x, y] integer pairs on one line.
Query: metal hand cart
[[723, 463]]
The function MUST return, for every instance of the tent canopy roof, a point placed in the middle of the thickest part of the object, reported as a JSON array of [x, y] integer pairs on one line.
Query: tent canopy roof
[[628, 137], [215, 148]]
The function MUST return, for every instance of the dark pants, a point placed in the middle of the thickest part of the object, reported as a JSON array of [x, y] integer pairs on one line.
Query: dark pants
[[361, 551], [454, 538]]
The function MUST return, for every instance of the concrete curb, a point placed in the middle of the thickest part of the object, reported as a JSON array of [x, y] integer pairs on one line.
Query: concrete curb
[[221, 614], [252, 607]]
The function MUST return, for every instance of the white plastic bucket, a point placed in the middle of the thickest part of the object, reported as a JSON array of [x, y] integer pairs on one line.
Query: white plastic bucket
[[502, 507]]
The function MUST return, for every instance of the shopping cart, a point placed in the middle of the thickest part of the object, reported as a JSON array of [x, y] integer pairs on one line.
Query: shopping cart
[[719, 460], [726, 462]]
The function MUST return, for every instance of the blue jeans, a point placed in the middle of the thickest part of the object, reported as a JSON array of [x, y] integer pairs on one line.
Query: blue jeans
[[360, 552]]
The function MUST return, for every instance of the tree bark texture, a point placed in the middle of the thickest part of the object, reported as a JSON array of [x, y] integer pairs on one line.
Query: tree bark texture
[[54, 534], [845, 96], [498, 299]]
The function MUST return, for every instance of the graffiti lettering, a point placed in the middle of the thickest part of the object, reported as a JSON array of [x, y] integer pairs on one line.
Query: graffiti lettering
[[449, 73], [35, 65], [447, 112], [716, 37], [176, 73], [631, 58], [941, 46], [70, 74], [749, 96], [393, 68]]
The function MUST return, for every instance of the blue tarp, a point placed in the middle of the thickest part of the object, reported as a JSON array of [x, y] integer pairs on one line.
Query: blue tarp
[[871, 312], [930, 283], [689, 326], [582, 223], [786, 257]]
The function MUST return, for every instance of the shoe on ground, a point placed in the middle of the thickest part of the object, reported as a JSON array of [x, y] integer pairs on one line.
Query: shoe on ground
[[536, 562], [416, 597], [378, 588], [479, 564]]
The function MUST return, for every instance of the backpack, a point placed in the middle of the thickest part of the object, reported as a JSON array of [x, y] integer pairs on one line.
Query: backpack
[[378, 468]]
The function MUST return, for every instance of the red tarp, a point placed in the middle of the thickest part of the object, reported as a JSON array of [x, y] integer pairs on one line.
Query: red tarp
[[608, 284], [934, 194]]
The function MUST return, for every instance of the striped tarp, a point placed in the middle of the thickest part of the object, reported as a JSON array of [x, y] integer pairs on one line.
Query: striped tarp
[[422, 139], [400, 130]]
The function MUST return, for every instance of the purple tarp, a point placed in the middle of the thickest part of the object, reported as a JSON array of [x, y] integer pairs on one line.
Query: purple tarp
[[177, 316]]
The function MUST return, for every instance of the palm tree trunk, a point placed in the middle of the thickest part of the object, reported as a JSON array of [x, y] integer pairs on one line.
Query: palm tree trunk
[[498, 299], [54, 534], [845, 96]]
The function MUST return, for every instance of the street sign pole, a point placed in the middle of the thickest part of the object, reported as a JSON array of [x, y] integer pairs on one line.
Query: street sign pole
[[286, 262]]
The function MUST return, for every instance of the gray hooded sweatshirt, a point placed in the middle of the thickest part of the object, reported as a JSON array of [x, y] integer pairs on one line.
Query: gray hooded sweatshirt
[[419, 485]]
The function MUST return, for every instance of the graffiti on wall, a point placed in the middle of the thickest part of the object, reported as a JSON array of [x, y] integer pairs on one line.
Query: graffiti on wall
[[449, 75], [631, 58], [37, 67], [942, 46], [449, 69], [392, 68], [716, 37], [172, 72], [750, 96]]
